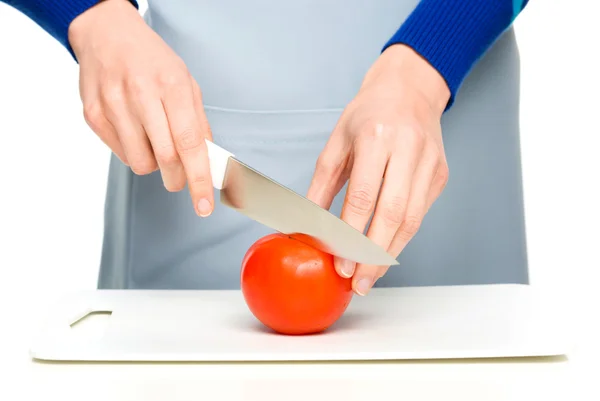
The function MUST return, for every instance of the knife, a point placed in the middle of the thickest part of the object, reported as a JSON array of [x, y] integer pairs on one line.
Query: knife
[[260, 198]]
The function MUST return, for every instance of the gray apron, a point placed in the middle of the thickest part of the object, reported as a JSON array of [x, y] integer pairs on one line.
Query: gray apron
[[275, 77]]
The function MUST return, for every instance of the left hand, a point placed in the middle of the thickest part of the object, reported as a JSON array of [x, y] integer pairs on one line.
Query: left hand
[[388, 142]]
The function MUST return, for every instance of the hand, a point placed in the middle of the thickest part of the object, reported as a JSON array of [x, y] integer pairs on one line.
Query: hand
[[140, 99], [388, 142]]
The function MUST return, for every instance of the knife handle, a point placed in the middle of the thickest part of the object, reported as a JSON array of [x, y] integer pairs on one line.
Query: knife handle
[[218, 159]]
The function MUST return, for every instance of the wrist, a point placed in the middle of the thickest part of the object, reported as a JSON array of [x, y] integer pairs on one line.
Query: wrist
[[401, 60], [101, 15]]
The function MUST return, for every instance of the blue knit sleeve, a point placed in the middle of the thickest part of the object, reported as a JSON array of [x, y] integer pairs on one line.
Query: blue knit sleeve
[[453, 34], [55, 16]]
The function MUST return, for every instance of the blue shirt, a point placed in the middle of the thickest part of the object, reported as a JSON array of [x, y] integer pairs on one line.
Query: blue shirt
[[451, 34]]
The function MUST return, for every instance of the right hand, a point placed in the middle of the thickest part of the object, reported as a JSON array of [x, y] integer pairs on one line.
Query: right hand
[[141, 100]]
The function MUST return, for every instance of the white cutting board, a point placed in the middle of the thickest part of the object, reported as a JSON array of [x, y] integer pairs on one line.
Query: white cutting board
[[392, 323]]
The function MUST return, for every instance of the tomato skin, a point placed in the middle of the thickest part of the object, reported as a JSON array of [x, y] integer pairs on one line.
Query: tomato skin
[[292, 287]]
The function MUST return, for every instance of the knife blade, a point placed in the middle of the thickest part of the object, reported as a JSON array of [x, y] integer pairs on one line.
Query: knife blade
[[264, 200]]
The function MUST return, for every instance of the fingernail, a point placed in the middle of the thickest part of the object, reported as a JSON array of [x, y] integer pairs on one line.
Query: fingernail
[[204, 208], [363, 286], [346, 267]]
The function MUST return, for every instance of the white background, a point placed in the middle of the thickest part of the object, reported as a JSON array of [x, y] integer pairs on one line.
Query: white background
[[53, 168]]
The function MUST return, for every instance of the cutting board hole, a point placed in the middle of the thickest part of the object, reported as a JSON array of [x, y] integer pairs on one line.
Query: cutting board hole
[[92, 326]]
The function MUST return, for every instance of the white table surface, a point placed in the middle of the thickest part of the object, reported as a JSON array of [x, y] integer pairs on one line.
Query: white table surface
[[570, 377]]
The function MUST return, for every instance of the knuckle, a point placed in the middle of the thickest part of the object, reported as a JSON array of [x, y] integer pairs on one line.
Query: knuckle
[[381, 272], [199, 180], [188, 139], [114, 94], [416, 136], [174, 78], [393, 212], [174, 186], [377, 131], [139, 85], [93, 115], [142, 166], [326, 165], [410, 227], [361, 200], [443, 175], [167, 156], [168, 79]]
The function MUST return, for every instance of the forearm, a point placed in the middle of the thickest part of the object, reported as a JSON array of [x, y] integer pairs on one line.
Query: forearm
[[452, 35], [55, 16]]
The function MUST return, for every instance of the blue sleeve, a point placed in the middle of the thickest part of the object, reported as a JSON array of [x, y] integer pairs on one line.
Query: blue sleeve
[[55, 16], [453, 34]]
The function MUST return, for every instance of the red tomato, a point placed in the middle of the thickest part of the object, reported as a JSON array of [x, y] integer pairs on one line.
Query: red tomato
[[292, 287]]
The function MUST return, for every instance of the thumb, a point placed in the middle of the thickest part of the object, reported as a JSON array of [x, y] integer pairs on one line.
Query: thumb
[[330, 172]]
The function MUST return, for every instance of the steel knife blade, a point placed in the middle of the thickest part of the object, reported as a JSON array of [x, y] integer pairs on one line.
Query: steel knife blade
[[264, 200]]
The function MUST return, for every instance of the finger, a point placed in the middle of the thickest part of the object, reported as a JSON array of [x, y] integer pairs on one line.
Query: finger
[[155, 123], [330, 171], [390, 210], [188, 138], [199, 106], [364, 279], [368, 166], [417, 202], [435, 189], [96, 120], [130, 131]]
